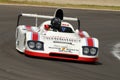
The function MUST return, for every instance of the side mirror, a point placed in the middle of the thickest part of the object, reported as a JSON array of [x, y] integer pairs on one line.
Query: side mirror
[[77, 31]]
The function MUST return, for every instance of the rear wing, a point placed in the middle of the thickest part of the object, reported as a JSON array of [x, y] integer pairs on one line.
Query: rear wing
[[36, 16]]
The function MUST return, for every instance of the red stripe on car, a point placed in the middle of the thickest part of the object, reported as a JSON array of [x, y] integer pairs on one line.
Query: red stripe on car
[[46, 55], [81, 34], [90, 42], [35, 36], [28, 28]]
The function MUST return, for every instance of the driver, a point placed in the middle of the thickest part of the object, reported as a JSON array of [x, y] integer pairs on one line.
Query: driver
[[55, 24]]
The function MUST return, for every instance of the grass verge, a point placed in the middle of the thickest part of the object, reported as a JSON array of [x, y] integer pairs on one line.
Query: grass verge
[[63, 5]]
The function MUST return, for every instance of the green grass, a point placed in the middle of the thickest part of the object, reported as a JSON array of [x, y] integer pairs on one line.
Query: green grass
[[62, 5]]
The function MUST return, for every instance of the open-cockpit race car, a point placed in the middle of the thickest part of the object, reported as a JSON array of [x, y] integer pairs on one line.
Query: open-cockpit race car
[[65, 43]]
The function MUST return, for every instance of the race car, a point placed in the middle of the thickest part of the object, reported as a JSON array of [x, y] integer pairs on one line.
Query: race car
[[69, 44]]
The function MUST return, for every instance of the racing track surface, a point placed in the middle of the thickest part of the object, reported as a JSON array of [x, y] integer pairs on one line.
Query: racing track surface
[[105, 25]]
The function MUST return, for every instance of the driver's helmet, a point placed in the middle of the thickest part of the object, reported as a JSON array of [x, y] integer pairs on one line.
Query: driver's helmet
[[56, 23]]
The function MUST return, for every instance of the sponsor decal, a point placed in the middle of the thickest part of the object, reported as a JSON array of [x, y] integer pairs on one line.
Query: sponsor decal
[[58, 39], [64, 49], [65, 24], [54, 48], [62, 42]]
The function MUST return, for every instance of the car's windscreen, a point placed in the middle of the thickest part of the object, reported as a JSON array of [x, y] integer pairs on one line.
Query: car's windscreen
[[66, 29]]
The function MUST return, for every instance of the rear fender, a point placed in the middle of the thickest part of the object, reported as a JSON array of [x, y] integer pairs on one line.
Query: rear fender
[[20, 37]]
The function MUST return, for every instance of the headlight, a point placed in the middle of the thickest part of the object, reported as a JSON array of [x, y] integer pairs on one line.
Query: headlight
[[90, 51], [38, 45], [31, 44], [93, 51], [35, 45], [86, 50]]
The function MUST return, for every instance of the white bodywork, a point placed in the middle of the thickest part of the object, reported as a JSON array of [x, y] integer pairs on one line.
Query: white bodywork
[[58, 42]]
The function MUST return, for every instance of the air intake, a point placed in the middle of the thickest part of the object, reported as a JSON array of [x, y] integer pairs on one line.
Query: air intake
[[64, 55]]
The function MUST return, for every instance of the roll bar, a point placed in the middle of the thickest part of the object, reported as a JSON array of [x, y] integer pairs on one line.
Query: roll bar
[[46, 17]]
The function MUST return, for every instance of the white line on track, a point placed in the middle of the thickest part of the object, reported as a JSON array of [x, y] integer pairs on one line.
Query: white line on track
[[116, 50]]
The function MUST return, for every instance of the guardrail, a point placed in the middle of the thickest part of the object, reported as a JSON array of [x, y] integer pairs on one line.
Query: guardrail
[[86, 2]]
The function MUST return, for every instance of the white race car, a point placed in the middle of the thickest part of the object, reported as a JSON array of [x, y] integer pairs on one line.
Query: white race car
[[69, 44]]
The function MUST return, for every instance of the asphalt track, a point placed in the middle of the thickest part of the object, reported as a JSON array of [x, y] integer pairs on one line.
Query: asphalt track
[[105, 25]]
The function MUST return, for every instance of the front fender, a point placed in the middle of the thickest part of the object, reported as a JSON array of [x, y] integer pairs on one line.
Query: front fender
[[90, 42]]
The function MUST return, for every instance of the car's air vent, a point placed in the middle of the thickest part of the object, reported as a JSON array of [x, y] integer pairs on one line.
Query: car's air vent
[[64, 55]]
